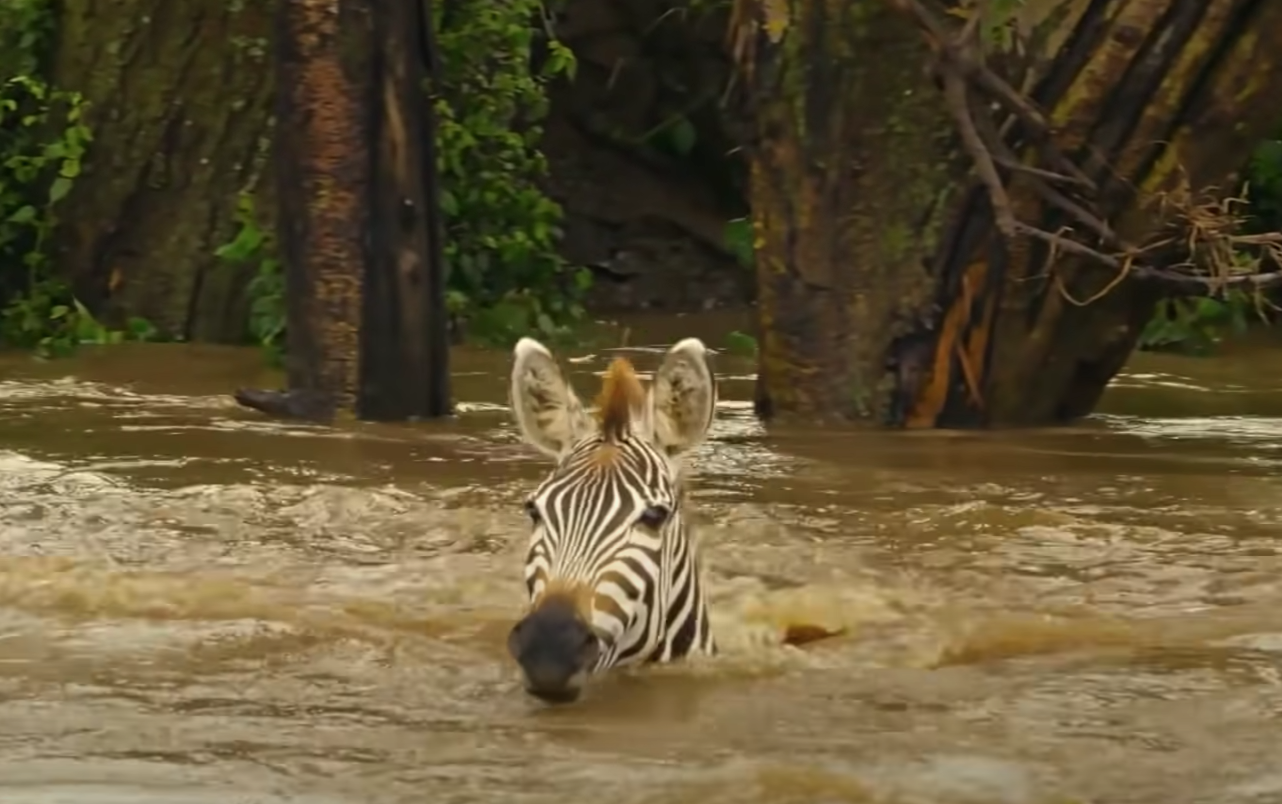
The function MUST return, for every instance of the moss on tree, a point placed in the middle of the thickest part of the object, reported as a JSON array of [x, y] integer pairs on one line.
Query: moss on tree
[[178, 94], [851, 162]]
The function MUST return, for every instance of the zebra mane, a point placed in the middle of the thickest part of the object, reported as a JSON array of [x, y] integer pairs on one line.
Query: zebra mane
[[621, 396]]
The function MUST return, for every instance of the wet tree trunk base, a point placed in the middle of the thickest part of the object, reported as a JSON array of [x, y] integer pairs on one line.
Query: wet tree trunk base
[[358, 221], [315, 406], [903, 279]]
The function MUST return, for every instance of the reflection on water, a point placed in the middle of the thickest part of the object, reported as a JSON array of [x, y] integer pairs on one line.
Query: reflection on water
[[200, 605]]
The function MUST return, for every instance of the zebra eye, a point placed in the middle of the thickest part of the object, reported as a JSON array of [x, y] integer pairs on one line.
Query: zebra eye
[[533, 511], [654, 516]]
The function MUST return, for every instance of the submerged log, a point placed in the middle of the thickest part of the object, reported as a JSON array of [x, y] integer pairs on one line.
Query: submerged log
[[926, 261], [357, 220]]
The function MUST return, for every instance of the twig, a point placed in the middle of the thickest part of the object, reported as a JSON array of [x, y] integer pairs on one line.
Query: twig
[[1050, 175]]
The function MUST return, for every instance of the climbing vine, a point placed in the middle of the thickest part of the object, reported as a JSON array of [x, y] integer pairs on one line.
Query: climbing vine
[[43, 138]]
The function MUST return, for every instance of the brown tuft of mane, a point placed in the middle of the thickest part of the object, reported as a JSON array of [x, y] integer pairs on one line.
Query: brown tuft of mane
[[621, 395]]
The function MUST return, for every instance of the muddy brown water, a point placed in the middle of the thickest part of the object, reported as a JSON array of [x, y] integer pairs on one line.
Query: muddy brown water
[[198, 605]]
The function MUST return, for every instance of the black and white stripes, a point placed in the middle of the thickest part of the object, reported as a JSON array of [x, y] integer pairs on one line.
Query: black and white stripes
[[612, 573], [613, 523]]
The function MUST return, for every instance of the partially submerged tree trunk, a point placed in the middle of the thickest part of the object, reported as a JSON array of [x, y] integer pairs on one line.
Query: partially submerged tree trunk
[[357, 219], [178, 95], [887, 290], [406, 333]]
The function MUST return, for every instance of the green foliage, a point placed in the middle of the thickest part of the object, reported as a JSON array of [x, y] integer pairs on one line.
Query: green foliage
[[741, 344], [252, 245], [1196, 325], [505, 276], [26, 27], [739, 239], [43, 139], [1264, 178], [675, 136]]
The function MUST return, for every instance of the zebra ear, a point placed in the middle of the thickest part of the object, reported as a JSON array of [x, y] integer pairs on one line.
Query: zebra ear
[[683, 397], [547, 412]]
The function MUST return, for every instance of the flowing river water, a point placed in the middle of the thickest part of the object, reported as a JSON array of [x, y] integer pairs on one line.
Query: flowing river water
[[200, 605]]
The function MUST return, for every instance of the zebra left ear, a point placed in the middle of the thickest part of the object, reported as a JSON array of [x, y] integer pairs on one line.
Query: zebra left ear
[[683, 397], [546, 409]]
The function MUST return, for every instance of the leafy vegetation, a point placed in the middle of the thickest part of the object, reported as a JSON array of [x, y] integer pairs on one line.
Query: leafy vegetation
[[43, 139], [506, 278], [741, 344], [252, 244]]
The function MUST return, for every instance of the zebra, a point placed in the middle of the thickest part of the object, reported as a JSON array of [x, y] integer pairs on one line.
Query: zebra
[[612, 573]]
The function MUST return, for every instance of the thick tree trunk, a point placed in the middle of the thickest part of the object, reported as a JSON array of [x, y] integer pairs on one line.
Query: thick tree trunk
[[324, 107], [885, 289], [178, 94], [358, 222], [406, 333]]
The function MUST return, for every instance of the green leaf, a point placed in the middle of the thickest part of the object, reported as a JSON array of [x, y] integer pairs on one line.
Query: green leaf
[[23, 214], [59, 189], [140, 329], [739, 240], [448, 203], [741, 343], [682, 135]]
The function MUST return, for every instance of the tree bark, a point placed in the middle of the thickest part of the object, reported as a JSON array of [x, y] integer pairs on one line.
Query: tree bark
[[886, 289], [358, 222], [406, 334], [324, 108], [178, 98]]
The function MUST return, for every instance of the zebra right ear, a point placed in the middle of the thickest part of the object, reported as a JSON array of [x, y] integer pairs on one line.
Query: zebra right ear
[[683, 397], [548, 414]]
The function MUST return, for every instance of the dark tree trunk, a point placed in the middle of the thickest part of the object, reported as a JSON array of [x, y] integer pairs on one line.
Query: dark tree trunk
[[178, 94], [886, 289], [406, 335], [357, 218]]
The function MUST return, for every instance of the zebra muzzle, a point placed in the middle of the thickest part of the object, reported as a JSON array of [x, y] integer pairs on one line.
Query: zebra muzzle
[[555, 649]]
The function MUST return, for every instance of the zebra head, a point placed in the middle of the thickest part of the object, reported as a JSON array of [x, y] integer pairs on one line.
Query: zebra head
[[611, 573]]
